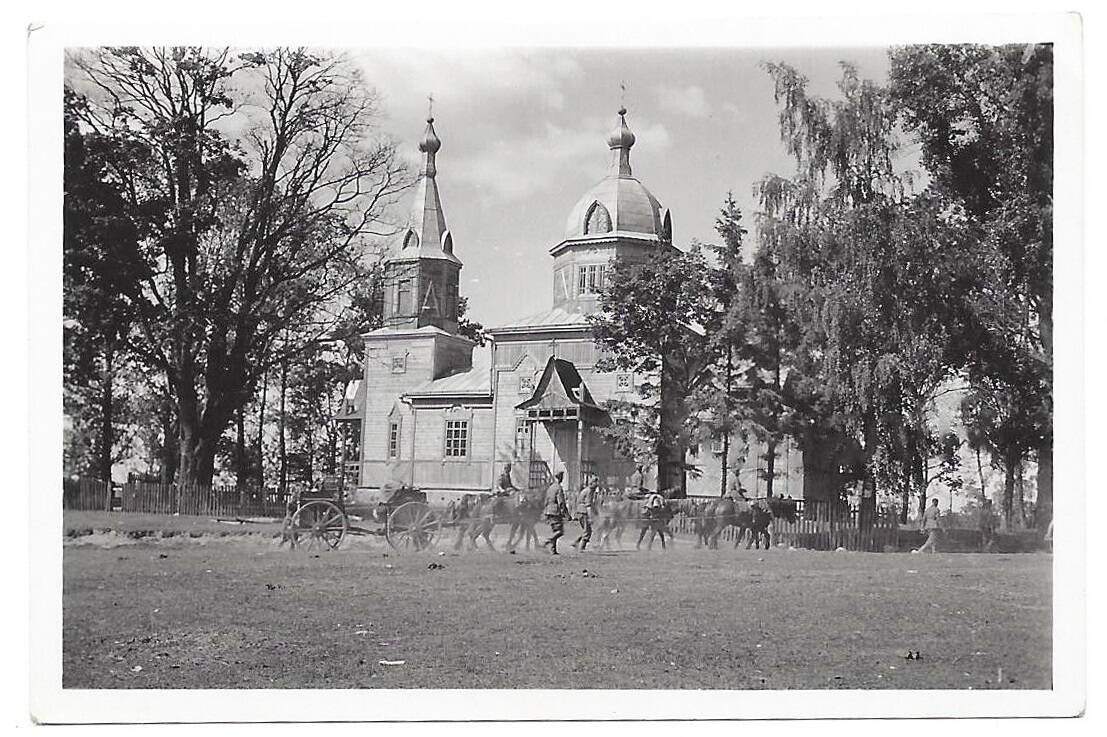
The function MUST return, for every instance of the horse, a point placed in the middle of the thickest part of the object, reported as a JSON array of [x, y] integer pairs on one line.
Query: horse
[[749, 517], [656, 521], [611, 517], [477, 515], [525, 511], [698, 513]]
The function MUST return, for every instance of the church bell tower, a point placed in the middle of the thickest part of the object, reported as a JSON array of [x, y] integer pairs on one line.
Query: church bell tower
[[421, 277]]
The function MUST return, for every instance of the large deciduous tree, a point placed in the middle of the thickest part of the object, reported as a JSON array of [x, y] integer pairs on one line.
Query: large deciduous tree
[[872, 269], [98, 240], [984, 117], [262, 187]]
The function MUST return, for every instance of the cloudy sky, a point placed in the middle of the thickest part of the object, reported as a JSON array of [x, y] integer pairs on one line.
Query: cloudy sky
[[523, 137]]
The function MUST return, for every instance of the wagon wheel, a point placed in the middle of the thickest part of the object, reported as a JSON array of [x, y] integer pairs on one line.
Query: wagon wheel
[[412, 526], [318, 525]]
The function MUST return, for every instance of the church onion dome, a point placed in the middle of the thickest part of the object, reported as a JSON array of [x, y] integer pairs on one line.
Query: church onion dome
[[430, 143], [619, 205]]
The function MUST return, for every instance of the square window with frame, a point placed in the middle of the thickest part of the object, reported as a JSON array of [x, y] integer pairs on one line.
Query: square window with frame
[[399, 364], [457, 438], [522, 436], [526, 384]]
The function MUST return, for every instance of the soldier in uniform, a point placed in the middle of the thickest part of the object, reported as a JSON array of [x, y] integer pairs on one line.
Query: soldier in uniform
[[556, 511], [505, 485], [734, 488], [586, 499]]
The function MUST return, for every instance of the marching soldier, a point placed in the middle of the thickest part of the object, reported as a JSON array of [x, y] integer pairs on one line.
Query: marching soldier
[[556, 511], [586, 499]]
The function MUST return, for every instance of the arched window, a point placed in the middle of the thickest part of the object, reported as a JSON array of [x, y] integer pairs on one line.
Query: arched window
[[667, 228], [598, 219], [448, 242], [411, 240]]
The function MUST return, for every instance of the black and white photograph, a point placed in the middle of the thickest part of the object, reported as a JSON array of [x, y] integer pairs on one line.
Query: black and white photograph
[[637, 369]]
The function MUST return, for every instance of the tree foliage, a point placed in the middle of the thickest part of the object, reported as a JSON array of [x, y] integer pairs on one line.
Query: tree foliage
[[984, 119], [651, 322], [258, 184]]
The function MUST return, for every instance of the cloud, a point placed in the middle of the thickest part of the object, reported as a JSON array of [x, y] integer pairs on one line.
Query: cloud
[[518, 168], [689, 100], [457, 77]]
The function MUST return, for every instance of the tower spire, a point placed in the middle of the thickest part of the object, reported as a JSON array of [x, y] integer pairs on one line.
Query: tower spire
[[427, 235], [620, 142]]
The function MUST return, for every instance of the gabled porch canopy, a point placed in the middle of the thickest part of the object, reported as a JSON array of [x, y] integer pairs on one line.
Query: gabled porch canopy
[[562, 395]]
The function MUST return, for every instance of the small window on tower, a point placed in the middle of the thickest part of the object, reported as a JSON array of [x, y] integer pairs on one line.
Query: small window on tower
[[403, 297], [399, 364], [591, 279]]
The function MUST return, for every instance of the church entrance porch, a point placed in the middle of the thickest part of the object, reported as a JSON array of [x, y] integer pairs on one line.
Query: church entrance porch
[[562, 424]]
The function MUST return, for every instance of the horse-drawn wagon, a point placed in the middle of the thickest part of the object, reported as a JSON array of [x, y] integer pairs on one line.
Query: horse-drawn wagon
[[321, 518]]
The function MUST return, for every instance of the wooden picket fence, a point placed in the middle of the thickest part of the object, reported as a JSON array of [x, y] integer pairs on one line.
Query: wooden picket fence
[[194, 499], [825, 525], [818, 525], [87, 494]]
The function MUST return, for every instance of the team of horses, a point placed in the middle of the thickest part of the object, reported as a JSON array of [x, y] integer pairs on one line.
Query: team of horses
[[475, 516]]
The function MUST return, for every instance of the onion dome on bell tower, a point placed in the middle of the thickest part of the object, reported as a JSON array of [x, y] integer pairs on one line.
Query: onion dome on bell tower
[[620, 141], [618, 218]]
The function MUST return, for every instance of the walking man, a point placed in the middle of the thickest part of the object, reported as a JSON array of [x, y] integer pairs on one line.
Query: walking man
[[556, 511], [931, 524], [586, 499]]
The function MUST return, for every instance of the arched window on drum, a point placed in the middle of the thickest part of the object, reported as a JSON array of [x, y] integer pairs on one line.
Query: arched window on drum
[[598, 219]]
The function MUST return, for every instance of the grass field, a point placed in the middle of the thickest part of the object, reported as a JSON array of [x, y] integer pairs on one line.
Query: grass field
[[226, 612]]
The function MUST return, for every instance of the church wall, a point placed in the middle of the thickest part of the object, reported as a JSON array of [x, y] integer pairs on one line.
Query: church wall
[[747, 458], [395, 364]]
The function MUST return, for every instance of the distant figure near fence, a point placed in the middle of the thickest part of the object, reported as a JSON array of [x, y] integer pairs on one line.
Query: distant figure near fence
[[931, 523]]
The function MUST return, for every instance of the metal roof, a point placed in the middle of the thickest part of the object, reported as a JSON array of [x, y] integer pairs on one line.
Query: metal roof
[[475, 381]]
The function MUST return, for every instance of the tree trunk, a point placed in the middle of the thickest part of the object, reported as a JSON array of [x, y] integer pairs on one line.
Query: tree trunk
[[261, 434], [918, 479], [670, 453], [309, 472], [905, 496], [727, 388], [242, 471], [770, 465], [1008, 492], [1020, 502], [980, 472], [282, 449], [197, 464], [170, 453], [107, 434], [1043, 509]]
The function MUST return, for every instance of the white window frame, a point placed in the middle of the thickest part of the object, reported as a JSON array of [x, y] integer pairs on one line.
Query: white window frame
[[456, 439]]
